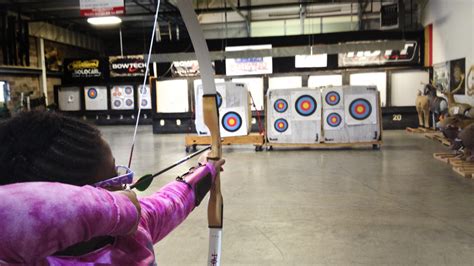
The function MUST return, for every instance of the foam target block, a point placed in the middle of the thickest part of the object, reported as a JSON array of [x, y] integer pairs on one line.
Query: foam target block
[[335, 130], [293, 116], [144, 97], [122, 97], [69, 99], [95, 98], [333, 98], [234, 109], [362, 112]]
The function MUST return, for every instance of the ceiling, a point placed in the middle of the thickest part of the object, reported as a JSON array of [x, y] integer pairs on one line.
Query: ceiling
[[139, 13], [214, 15]]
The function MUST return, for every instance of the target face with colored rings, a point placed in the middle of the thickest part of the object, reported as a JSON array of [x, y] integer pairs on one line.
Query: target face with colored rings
[[333, 98], [144, 102], [219, 100], [92, 93], [281, 125], [280, 106], [360, 109], [334, 119], [128, 90], [306, 105], [117, 103], [129, 102], [231, 121]]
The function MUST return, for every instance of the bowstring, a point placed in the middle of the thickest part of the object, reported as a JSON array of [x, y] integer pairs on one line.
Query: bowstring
[[147, 69]]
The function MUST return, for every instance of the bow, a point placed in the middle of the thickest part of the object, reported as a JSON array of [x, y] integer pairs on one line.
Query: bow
[[211, 119]]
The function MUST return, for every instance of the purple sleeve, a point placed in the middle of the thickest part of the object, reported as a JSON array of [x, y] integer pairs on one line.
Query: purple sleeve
[[166, 209], [39, 218]]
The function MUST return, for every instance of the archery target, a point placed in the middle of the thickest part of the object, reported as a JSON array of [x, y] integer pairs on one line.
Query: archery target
[[333, 119], [144, 96], [333, 98], [219, 100], [280, 105], [122, 97], [281, 125], [95, 98], [305, 105], [69, 99], [92, 93], [231, 121], [361, 109], [128, 90]]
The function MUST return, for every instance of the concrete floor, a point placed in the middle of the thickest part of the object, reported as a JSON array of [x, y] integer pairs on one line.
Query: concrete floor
[[310, 207]]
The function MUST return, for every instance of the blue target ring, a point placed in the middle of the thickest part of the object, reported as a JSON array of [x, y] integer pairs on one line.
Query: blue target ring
[[333, 98], [306, 105], [128, 90], [92, 93], [231, 121], [280, 105], [129, 102], [360, 109], [334, 120], [117, 103], [219, 100], [280, 125]]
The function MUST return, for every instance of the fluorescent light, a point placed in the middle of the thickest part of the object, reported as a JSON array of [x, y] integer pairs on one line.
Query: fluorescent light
[[104, 21]]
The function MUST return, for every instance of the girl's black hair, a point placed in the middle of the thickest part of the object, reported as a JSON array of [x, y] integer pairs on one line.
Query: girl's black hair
[[45, 146]]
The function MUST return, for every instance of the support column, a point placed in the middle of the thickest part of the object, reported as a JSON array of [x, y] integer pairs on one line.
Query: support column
[[42, 65]]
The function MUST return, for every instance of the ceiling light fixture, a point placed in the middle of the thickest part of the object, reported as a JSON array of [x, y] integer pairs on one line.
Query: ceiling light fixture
[[104, 21]]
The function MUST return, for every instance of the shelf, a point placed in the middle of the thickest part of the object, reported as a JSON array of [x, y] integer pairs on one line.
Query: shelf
[[19, 70]]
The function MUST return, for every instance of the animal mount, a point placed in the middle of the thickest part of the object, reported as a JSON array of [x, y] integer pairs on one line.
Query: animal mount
[[460, 133], [470, 83], [422, 104], [437, 105], [455, 108]]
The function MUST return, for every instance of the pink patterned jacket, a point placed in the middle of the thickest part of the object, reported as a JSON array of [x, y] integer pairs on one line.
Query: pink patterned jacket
[[63, 224]]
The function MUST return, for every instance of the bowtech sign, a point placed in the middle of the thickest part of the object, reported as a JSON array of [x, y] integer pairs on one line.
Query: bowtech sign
[[127, 66]]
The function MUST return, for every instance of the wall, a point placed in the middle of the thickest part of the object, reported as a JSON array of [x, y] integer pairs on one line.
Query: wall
[[453, 36]]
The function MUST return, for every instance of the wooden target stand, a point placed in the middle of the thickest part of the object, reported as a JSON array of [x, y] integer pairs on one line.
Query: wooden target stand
[[192, 141], [348, 145], [463, 168]]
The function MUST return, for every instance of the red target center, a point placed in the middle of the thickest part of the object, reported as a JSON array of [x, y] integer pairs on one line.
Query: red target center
[[280, 105], [360, 109], [281, 125], [332, 98], [306, 105], [334, 119], [231, 122]]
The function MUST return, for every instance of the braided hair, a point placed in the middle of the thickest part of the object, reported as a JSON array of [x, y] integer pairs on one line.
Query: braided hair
[[45, 146]]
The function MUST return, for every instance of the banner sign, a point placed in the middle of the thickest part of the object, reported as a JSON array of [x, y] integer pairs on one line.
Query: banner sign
[[309, 61], [85, 68], [97, 8], [248, 66], [188, 68], [379, 57], [127, 66]]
